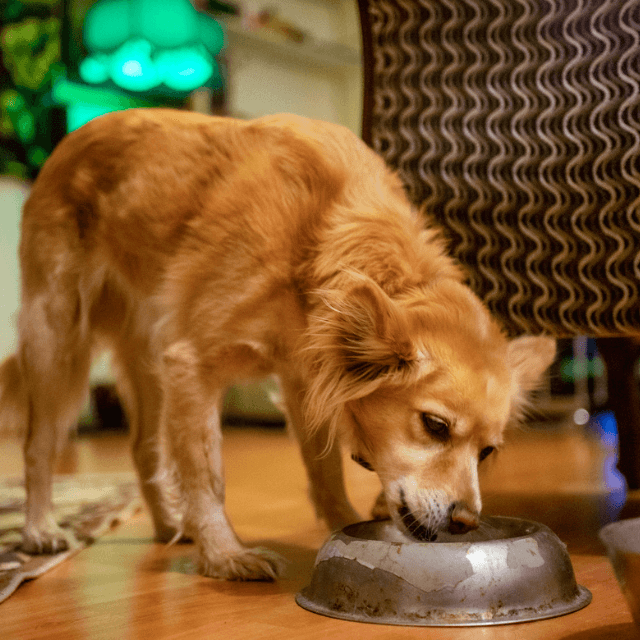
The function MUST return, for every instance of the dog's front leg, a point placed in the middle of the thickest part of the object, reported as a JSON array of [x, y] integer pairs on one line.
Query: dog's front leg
[[191, 417], [323, 462]]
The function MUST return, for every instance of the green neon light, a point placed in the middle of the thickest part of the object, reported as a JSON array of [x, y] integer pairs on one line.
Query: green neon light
[[65, 92], [131, 66], [167, 24], [106, 25], [140, 44], [80, 113], [185, 69], [85, 103], [95, 69]]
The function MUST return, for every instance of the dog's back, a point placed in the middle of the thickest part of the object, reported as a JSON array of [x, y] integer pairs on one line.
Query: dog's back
[[127, 204]]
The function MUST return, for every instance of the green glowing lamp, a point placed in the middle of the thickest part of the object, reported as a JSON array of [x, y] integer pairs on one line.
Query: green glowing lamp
[[140, 44], [107, 25], [185, 68], [132, 68]]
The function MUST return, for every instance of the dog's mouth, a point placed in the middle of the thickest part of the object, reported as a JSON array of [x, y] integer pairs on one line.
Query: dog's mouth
[[415, 528]]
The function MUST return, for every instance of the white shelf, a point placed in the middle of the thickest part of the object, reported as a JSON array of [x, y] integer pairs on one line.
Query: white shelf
[[320, 77], [331, 55]]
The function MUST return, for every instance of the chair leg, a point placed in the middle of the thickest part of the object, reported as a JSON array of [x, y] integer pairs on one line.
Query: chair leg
[[621, 356]]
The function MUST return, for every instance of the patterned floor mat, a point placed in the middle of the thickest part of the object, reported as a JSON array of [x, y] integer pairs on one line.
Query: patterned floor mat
[[89, 505]]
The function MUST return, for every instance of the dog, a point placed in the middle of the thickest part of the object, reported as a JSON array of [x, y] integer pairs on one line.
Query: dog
[[204, 250]]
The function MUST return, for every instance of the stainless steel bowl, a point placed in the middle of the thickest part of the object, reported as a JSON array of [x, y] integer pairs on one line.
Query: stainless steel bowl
[[509, 570], [622, 540]]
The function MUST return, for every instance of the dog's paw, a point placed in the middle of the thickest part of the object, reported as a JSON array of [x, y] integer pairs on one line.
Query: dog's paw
[[380, 509], [47, 540], [248, 564]]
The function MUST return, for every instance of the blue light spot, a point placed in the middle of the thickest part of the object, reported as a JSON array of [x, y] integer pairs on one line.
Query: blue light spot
[[132, 68]]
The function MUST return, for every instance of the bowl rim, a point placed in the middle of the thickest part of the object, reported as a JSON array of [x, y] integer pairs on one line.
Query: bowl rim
[[535, 527]]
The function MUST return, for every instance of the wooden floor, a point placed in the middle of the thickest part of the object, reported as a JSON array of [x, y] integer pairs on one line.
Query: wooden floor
[[126, 586]]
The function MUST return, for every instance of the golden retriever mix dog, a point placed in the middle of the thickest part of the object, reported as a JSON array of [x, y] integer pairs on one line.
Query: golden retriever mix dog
[[205, 250]]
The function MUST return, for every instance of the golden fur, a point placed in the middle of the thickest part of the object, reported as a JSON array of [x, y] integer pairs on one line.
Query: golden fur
[[205, 250]]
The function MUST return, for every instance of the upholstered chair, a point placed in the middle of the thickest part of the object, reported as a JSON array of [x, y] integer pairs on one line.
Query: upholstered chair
[[516, 123]]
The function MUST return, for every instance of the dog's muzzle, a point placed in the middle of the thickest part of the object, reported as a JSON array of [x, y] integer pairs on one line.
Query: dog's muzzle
[[413, 526], [459, 520]]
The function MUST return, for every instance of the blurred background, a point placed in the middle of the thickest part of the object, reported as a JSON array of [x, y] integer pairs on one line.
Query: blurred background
[[64, 62]]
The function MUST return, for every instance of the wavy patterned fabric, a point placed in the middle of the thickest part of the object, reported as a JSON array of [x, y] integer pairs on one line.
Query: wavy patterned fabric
[[516, 123]]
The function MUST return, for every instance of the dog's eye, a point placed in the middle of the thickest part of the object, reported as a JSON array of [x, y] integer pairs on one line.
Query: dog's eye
[[362, 462], [436, 427], [486, 452]]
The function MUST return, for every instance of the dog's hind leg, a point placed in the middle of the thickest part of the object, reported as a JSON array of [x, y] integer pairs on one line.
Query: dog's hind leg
[[141, 394], [191, 415], [54, 355], [322, 460]]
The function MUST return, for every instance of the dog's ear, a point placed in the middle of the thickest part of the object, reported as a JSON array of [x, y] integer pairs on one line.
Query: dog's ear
[[357, 338], [529, 357], [373, 334]]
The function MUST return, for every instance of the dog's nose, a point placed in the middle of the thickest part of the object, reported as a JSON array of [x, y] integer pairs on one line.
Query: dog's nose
[[462, 519]]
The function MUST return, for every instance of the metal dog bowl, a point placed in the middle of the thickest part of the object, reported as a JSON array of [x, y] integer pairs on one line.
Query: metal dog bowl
[[509, 570], [622, 540]]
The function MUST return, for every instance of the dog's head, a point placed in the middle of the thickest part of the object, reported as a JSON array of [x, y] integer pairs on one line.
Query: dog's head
[[421, 388]]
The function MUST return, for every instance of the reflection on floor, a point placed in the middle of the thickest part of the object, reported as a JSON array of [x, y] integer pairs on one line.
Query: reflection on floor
[[565, 476]]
